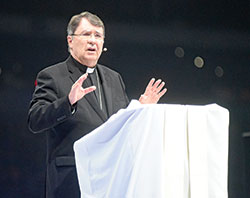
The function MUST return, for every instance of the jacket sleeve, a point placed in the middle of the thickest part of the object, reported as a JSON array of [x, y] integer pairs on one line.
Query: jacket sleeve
[[47, 108]]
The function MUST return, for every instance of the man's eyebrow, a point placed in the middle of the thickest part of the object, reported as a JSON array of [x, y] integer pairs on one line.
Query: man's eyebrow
[[98, 32], [83, 31], [87, 31]]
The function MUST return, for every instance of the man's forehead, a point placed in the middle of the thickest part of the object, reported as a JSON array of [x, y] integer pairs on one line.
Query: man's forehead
[[85, 25]]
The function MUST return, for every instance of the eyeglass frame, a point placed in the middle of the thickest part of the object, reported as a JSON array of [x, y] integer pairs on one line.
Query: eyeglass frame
[[87, 34]]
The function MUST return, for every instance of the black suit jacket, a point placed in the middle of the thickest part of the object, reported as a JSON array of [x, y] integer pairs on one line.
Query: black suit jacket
[[51, 112]]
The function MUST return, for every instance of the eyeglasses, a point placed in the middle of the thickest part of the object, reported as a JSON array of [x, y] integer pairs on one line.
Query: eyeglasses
[[89, 34]]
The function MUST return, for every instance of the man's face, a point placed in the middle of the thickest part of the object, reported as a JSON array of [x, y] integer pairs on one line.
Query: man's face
[[87, 43]]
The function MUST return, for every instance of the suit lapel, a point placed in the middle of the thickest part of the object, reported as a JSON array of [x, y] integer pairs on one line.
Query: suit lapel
[[106, 84], [90, 97]]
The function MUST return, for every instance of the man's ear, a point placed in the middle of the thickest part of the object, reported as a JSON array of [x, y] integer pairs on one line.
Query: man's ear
[[69, 40]]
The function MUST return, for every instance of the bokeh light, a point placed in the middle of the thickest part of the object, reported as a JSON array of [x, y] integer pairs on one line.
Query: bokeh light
[[198, 62], [179, 52], [219, 72]]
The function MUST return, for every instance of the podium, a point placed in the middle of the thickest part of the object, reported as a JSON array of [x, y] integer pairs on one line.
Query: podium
[[156, 151]]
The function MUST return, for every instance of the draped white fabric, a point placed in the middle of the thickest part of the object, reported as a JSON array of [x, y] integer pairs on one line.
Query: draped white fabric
[[144, 151]]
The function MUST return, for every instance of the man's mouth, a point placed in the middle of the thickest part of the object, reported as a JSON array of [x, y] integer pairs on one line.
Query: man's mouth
[[91, 49]]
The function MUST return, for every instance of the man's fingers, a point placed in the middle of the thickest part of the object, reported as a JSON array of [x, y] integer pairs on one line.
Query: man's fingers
[[154, 91], [150, 84], [89, 89], [77, 92], [162, 92], [160, 86], [81, 79], [156, 83]]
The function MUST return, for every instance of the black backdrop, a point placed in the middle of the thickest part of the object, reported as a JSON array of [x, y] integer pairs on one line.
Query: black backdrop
[[143, 39]]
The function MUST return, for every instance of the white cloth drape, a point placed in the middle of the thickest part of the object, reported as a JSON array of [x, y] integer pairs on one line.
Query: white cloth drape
[[144, 151]]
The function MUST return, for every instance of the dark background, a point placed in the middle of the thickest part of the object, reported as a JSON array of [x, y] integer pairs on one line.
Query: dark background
[[156, 38]]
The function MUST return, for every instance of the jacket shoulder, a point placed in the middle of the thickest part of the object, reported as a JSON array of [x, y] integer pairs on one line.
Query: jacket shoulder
[[55, 69], [107, 69]]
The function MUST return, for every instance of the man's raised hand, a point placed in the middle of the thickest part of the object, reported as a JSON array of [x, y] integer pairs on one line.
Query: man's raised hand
[[77, 92], [153, 92]]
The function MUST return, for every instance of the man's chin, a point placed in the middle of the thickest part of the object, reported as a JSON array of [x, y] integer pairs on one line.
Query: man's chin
[[90, 61]]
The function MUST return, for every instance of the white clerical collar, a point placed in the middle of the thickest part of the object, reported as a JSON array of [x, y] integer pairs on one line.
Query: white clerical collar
[[90, 70]]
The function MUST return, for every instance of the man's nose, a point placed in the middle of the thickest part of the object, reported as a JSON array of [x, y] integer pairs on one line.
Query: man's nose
[[92, 38]]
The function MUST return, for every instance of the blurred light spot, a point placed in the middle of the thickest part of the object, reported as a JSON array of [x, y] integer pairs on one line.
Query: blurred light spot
[[179, 52], [17, 68], [198, 62], [219, 71], [0, 70]]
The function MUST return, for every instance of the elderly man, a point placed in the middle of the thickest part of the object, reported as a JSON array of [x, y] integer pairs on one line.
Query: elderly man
[[74, 97]]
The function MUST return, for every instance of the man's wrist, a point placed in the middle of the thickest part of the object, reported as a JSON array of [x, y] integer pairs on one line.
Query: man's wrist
[[72, 107]]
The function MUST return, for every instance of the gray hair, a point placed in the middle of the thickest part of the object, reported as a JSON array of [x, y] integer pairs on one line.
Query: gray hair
[[75, 20]]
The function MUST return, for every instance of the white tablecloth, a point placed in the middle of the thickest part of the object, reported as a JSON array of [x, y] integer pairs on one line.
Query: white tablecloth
[[156, 151]]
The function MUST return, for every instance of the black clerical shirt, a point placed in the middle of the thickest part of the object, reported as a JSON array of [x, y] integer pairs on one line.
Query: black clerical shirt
[[94, 79]]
